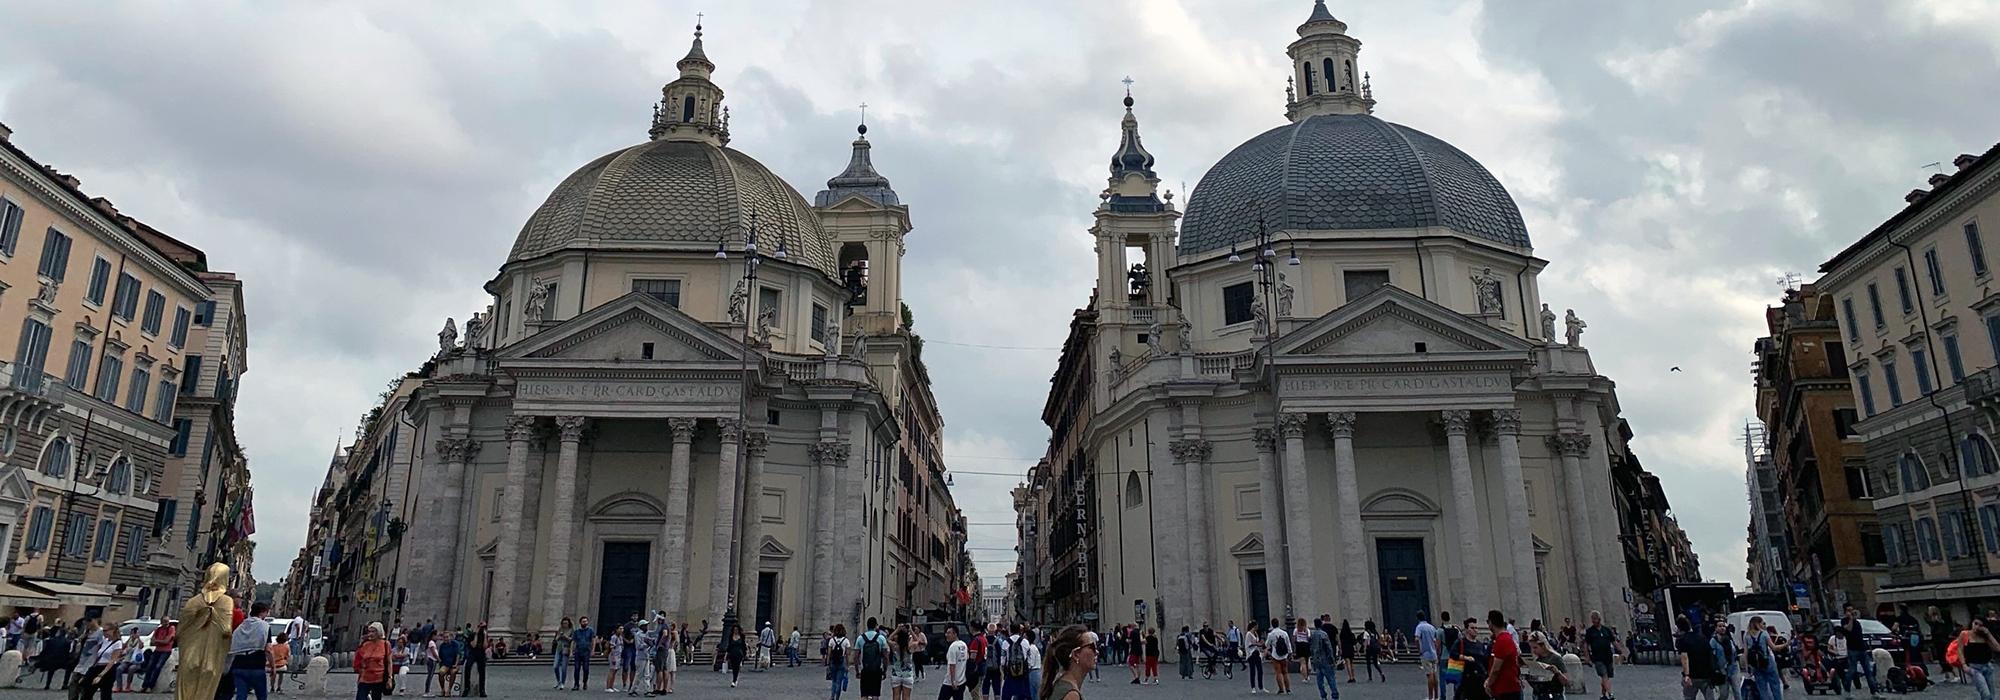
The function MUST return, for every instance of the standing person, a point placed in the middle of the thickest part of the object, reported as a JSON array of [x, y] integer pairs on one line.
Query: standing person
[[1151, 643], [1836, 660], [475, 661], [1942, 631], [100, 669], [1372, 648], [628, 658], [616, 659], [996, 645], [1184, 647], [247, 661], [1602, 646], [874, 661], [1429, 643], [450, 654], [1978, 655], [1253, 657], [559, 650], [1072, 656], [1014, 666], [1859, 662], [955, 656], [767, 641], [1319, 648], [669, 663], [1034, 661], [737, 648], [54, 656], [921, 644], [277, 658], [644, 638], [163, 648], [1301, 647], [1723, 644], [580, 647], [1232, 639], [1347, 643], [902, 663], [837, 647], [1278, 646], [371, 666], [1545, 654], [792, 648], [1135, 652], [427, 654], [1503, 679], [975, 665], [1697, 660], [1760, 658]]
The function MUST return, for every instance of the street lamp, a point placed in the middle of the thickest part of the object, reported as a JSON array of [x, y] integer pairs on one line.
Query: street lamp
[[752, 260], [1265, 248]]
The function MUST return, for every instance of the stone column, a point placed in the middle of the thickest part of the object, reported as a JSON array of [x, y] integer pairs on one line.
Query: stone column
[[1518, 556], [673, 534], [723, 543], [1192, 456], [1572, 447], [1475, 592], [1354, 563], [1298, 518], [829, 458], [1169, 543], [1272, 521], [564, 528], [507, 613], [755, 444], [456, 453]]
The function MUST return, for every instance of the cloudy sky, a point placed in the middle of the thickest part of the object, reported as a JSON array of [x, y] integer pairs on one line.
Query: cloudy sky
[[365, 166]]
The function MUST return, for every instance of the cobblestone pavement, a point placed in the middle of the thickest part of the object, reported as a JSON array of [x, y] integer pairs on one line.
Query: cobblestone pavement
[[807, 683]]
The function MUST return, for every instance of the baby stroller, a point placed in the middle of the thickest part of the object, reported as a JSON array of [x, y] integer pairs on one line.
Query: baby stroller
[[1814, 672]]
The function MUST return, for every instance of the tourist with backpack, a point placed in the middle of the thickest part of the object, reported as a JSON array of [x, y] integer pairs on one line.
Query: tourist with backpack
[[835, 653], [1760, 659], [1184, 650], [1014, 653], [874, 661], [996, 642], [975, 663], [1278, 646]]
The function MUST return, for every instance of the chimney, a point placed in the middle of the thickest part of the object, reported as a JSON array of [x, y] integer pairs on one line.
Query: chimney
[[105, 205], [1964, 160], [6, 133], [59, 175], [1939, 179], [1915, 195]]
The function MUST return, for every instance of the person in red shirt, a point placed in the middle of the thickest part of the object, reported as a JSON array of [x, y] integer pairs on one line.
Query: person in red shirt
[[1503, 680]]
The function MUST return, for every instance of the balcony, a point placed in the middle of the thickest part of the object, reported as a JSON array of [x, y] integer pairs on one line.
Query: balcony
[[1982, 388], [29, 399]]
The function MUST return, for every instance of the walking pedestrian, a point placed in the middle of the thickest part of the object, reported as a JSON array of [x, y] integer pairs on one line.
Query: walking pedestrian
[[247, 660], [1760, 658], [1371, 647], [371, 666], [99, 666], [475, 661], [837, 647], [1320, 649], [874, 661], [1428, 645], [1072, 655], [902, 663], [767, 641], [1278, 646], [1698, 668], [920, 654], [1184, 649], [1348, 642], [1134, 652], [955, 660], [427, 652], [1978, 655], [996, 644], [1034, 661], [737, 648], [1603, 647], [1253, 657], [560, 650], [1503, 678], [277, 658], [1151, 643], [1014, 653], [791, 648]]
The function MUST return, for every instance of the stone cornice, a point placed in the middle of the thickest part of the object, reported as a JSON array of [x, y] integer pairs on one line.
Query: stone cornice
[[38, 183]]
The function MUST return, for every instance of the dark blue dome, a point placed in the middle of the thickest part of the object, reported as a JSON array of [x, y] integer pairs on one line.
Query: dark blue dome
[[1347, 172]]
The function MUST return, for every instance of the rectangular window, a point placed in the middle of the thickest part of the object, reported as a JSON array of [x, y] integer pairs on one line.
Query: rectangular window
[[204, 313], [76, 535], [109, 374], [1892, 544], [125, 301], [180, 337], [163, 518], [549, 307], [668, 291], [163, 402], [191, 374], [31, 358], [819, 323], [1871, 548], [769, 304], [1843, 423], [1993, 332], [77, 373], [1934, 271], [1973, 249], [1989, 526], [156, 306], [1875, 306], [55, 255], [1920, 363], [1867, 394], [39, 528], [135, 545], [135, 398], [1953, 363], [106, 539], [194, 524], [1853, 326], [183, 429], [1857, 484], [1361, 282], [1236, 302], [1903, 291], [1890, 380], [10, 225], [100, 278]]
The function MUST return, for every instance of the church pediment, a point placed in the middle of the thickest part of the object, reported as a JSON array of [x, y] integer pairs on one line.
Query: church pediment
[[1251, 544], [1392, 321], [629, 506], [621, 330], [14, 488], [771, 548]]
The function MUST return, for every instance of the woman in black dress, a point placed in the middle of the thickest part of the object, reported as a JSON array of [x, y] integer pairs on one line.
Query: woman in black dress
[[736, 651]]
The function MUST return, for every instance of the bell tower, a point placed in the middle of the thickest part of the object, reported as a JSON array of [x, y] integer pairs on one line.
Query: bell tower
[[867, 221], [1135, 237], [1326, 77]]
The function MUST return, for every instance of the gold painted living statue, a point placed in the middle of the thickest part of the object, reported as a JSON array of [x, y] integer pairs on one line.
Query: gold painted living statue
[[205, 625]]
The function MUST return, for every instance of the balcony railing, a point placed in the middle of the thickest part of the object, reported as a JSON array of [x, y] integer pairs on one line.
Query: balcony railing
[[1983, 386]]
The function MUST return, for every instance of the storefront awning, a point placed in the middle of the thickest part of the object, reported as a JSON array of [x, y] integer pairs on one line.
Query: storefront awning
[[1956, 590], [74, 593], [12, 596]]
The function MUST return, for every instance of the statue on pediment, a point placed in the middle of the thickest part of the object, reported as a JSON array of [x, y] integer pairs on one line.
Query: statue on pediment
[[1548, 324], [448, 338], [1574, 332]]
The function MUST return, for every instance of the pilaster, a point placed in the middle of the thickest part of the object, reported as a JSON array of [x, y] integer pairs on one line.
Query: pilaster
[[723, 542], [755, 444], [1357, 564], [1572, 447], [1192, 456], [1475, 591], [1519, 552], [1271, 521], [563, 529], [1298, 518], [507, 618], [673, 535]]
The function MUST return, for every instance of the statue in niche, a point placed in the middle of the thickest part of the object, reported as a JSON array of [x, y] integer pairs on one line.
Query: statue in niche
[[1548, 324], [737, 298], [1574, 332], [1488, 288], [1186, 332], [1284, 297], [448, 338], [1117, 362], [537, 308], [1261, 319]]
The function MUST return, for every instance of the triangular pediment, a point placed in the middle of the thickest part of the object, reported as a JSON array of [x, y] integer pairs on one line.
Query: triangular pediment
[[1252, 543], [1392, 321], [770, 547], [619, 331], [14, 487]]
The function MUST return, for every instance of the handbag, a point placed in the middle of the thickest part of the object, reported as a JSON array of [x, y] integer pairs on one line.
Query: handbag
[[1454, 669]]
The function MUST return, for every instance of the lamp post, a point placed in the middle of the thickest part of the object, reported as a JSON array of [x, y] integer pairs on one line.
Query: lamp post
[[752, 260], [1263, 267]]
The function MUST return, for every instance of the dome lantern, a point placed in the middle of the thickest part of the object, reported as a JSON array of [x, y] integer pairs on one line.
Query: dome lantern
[[690, 107], [1323, 67]]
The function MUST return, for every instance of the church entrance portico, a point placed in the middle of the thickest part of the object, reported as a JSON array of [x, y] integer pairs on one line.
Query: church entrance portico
[[621, 588]]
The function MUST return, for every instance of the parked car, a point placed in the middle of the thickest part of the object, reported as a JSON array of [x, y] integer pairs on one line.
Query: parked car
[[1874, 635], [145, 627], [315, 640]]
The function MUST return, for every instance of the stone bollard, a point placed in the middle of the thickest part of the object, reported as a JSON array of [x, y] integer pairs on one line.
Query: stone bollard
[[316, 674], [1575, 666], [10, 667]]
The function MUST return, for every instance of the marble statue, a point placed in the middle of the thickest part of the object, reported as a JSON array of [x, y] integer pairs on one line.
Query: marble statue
[[1262, 318], [765, 321], [1284, 297], [737, 298], [1153, 333], [537, 307], [832, 338], [474, 328], [1488, 288], [203, 639], [1548, 324], [1574, 332], [1117, 362], [448, 338], [1186, 332]]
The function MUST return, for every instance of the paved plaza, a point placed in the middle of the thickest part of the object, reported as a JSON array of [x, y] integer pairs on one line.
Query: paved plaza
[[1633, 683]]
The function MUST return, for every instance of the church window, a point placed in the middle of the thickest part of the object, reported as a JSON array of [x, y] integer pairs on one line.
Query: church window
[[819, 323], [668, 291], [1935, 271], [1236, 302], [1973, 248], [1360, 282], [1853, 326], [645, 351], [687, 108], [1135, 493], [1331, 84], [769, 303], [1875, 306], [1309, 78]]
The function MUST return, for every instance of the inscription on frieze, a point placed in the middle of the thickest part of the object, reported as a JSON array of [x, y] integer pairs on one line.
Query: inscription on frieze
[[1418, 385], [630, 392]]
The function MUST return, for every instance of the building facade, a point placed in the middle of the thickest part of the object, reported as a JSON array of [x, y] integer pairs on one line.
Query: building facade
[[1768, 554], [1657, 550], [1061, 493], [692, 391], [1922, 329], [1805, 403], [1333, 387]]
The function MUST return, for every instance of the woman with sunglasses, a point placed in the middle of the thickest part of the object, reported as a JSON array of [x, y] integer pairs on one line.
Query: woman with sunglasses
[[1071, 656]]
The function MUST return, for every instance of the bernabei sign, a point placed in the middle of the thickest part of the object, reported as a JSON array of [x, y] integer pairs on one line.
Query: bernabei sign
[[617, 391]]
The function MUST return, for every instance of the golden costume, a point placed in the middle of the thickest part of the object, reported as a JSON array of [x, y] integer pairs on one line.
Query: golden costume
[[206, 622]]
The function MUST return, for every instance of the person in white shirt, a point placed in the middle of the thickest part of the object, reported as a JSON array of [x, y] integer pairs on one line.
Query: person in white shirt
[[1034, 661], [954, 666], [1278, 648], [102, 667]]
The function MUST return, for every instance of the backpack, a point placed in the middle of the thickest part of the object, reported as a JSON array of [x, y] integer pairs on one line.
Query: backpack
[[1284, 648], [1016, 663], [871, 652], [1760, 655]]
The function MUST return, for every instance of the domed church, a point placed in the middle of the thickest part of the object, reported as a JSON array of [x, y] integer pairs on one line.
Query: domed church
[[1331, 384], [690, 393]]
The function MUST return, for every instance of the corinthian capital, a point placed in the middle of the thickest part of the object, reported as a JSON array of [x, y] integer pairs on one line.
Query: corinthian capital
[[756, 442], [1266, 439], [460, 450], [681, 428], [831, 454], [520, 428], [1292, 426], [1570, 444], [1507, 421], [731, 428], [1340, 424], [1456, 421], [1194, 450], [571, 427]]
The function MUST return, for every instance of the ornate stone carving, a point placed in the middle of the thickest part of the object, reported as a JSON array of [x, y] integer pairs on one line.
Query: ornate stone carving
[[756, 442], [448, 338], [520, 427], [571, 427], [1186, 333], [475, 327], [1191, 450], [459, 450], [537, 307], [1293, 425], [1284, 297], [1340, 424], [1456, 421], [682, 429], [1548, 325], [1507, 421], [730, 428], [1265, 439], [766, 319], [1117, 361], [1487, 287], [1570, 444], [830, 454], [1574, 331], [1153, 333], [737, 299], [832, 338], [1261, 319]]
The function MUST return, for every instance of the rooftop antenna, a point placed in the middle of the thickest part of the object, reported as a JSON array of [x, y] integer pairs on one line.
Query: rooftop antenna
[[1790, 281], [1934, 165]]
